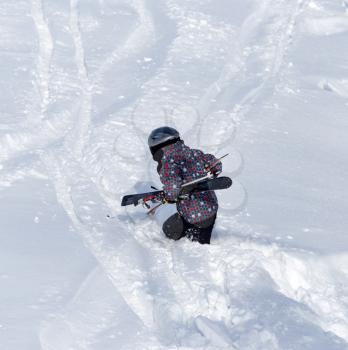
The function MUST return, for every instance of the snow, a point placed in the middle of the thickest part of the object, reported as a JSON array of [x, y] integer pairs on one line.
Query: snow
[[83, 83]]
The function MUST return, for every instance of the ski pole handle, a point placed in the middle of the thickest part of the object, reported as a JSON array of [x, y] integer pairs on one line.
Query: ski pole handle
[[211, 166]]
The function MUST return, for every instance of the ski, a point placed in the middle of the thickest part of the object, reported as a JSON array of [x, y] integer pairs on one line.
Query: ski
[[218, 183], [214, 184], [136, 199]]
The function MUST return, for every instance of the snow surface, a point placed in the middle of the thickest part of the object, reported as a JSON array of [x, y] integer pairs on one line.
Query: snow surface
[[83, 83]]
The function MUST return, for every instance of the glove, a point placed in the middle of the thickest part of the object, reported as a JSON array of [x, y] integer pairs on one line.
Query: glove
[[215, 170]]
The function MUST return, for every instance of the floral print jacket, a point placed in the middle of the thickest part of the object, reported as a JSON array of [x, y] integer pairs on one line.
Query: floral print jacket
[[180, 164]]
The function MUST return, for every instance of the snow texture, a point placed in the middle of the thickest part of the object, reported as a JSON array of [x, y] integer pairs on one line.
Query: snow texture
[[83, 83]]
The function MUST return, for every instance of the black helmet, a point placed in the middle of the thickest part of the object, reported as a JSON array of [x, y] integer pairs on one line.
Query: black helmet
[[162, 135]]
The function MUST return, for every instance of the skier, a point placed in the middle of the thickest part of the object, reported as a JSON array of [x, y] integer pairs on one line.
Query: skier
[[178, 164]]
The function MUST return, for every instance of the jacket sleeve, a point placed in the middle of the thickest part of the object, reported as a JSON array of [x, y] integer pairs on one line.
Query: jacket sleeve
[[171, 179], [209, 159]]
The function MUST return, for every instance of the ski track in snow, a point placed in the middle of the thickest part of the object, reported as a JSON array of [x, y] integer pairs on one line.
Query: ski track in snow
[[141, 37], [79, 134], [208, 295], [277, 42], [45, 52]]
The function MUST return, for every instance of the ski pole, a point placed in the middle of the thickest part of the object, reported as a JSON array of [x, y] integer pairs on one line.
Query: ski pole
[[154, 209]]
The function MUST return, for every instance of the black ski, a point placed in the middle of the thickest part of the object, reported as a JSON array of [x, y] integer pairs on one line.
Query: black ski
[[135, 199], [218, 183]]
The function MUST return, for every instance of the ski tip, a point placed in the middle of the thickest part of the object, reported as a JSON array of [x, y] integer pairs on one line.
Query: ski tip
[[125, 201], [229, 182]]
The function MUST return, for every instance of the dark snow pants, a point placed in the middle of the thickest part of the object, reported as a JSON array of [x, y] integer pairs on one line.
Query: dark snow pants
[[176, 227]]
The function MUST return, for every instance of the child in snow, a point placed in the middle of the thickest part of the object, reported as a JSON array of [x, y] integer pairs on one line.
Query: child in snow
[[177, 165]]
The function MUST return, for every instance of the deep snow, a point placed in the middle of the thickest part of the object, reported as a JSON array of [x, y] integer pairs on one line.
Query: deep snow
[[83, 83]]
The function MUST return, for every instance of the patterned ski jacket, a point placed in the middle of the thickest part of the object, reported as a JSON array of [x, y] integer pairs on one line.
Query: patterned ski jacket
[[179, 164]]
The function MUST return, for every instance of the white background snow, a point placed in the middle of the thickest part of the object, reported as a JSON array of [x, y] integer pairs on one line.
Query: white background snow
[[83, 82]]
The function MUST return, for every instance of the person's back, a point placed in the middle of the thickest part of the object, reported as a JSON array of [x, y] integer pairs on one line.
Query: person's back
[[178, 164]]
